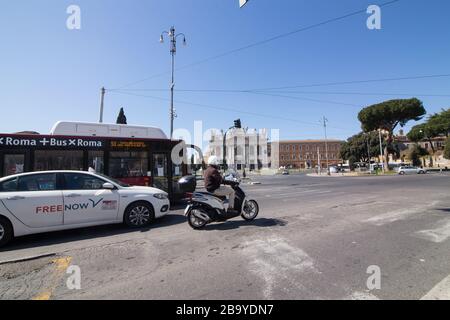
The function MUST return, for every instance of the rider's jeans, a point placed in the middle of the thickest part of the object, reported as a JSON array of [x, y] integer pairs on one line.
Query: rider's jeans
[[226, 191]]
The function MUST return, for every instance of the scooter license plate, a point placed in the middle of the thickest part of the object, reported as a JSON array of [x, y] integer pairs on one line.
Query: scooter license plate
[[187, 209]]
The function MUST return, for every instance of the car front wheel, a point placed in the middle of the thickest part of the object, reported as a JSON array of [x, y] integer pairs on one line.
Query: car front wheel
[[6, 231], [139, 214]]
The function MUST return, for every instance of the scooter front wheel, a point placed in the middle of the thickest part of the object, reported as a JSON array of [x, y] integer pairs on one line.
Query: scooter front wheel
[[250, 210], [196, 222]]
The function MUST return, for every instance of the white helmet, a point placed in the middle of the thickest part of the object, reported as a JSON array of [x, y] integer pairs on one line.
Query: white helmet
[[213, 161]]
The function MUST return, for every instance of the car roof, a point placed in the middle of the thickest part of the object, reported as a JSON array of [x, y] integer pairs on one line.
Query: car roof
[[45, 172]]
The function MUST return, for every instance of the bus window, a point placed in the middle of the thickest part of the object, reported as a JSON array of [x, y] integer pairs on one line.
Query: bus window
[[125, 164], [13, 164], [96, 161], [45, 160]]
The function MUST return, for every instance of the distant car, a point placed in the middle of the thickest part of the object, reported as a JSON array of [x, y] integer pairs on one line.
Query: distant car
[[285, 172], [47, 201], [403, 170], [334, 169]]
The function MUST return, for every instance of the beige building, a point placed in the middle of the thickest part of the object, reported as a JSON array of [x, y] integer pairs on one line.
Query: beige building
[[245, 149]]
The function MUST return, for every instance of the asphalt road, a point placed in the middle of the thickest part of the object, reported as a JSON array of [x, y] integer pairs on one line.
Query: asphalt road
[[315, 238]]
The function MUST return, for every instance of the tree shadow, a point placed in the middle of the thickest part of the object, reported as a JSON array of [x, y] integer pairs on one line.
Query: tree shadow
[[235, 224], [71, 235]]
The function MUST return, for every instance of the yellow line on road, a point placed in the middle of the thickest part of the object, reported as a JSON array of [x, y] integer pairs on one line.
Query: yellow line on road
[[61, 265]]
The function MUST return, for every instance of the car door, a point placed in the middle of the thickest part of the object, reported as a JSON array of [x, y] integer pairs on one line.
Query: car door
[[411, 170], [34, 200], [86, 201]]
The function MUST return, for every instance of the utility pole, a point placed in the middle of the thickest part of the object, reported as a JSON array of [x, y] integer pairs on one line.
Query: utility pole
[[368, 150], [102, 100], [173, 50], [381, 150], [319, 168], [325, 120]]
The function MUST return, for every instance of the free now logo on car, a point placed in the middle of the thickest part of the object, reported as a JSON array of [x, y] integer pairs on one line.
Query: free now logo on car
[[106, 205]]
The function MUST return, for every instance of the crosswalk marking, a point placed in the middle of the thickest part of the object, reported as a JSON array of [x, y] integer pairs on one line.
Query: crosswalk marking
[[400, 214], [439, 234], [440, 292]]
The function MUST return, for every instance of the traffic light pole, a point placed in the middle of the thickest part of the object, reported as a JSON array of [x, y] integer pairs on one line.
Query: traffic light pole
[[237, 125]]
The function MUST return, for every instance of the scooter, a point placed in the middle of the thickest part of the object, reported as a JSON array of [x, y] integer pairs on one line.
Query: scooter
[[204, 207]]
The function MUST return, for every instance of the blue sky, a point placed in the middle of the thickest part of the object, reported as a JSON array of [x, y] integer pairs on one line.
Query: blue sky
[[49, 73]]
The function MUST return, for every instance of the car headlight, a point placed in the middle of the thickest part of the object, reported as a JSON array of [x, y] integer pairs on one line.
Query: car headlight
[[160, 196]]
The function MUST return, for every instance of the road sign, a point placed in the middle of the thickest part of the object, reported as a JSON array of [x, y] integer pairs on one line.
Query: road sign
[[242, 3]]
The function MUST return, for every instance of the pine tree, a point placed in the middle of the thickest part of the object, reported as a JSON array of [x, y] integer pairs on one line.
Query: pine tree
[[121, 118]]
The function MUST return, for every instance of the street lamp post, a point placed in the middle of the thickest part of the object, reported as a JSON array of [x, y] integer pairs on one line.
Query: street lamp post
[[237, 125], [325, 120], [173, 50]]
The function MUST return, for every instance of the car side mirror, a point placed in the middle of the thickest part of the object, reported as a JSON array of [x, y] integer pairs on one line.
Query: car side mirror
[[108, 186]]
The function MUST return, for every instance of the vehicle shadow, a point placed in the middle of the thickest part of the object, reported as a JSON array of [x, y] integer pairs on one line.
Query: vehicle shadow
[[444, 210], [67, 236], [235, 224]]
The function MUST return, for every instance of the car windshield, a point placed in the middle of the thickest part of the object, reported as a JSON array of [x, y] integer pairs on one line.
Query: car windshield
[[120, 183]]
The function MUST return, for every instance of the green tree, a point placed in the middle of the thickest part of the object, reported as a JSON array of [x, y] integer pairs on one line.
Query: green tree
[[416, 153], [440, 123], [447, 149], [423, 131], [121, 118], [388, 115], [359, 147]]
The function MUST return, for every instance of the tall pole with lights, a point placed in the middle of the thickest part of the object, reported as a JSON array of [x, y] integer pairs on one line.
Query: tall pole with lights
[[237, 125], [325, 121], [173, 50]]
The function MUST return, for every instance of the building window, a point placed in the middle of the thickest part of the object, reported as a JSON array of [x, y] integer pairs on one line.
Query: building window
[[58, 160]]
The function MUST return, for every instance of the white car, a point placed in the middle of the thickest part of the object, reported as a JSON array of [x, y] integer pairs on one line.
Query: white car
[[57, 200], [410, 170]]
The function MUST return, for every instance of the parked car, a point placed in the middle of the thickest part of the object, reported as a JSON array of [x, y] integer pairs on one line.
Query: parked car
[[403, 170], [39, 202], [285, 172]]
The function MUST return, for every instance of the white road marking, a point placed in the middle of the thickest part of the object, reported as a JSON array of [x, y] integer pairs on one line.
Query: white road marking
[[438, 234], [358, 295], [292, 194], [274, 259], [401, 214], [440, 292]]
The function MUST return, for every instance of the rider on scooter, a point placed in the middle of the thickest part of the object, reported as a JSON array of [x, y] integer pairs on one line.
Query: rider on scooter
[[214, 183]]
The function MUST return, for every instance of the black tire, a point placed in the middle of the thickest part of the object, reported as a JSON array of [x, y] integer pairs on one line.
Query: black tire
[[139, 215], [401, 173], [6, 231], [194, 222], [255, 209]]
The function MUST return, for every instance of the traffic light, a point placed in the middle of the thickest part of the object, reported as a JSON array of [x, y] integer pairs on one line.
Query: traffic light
[[242, 3], [237, 124]]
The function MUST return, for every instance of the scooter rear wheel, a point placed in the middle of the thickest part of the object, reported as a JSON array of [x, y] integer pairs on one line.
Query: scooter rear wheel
[[196, 222], [250, 210]]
